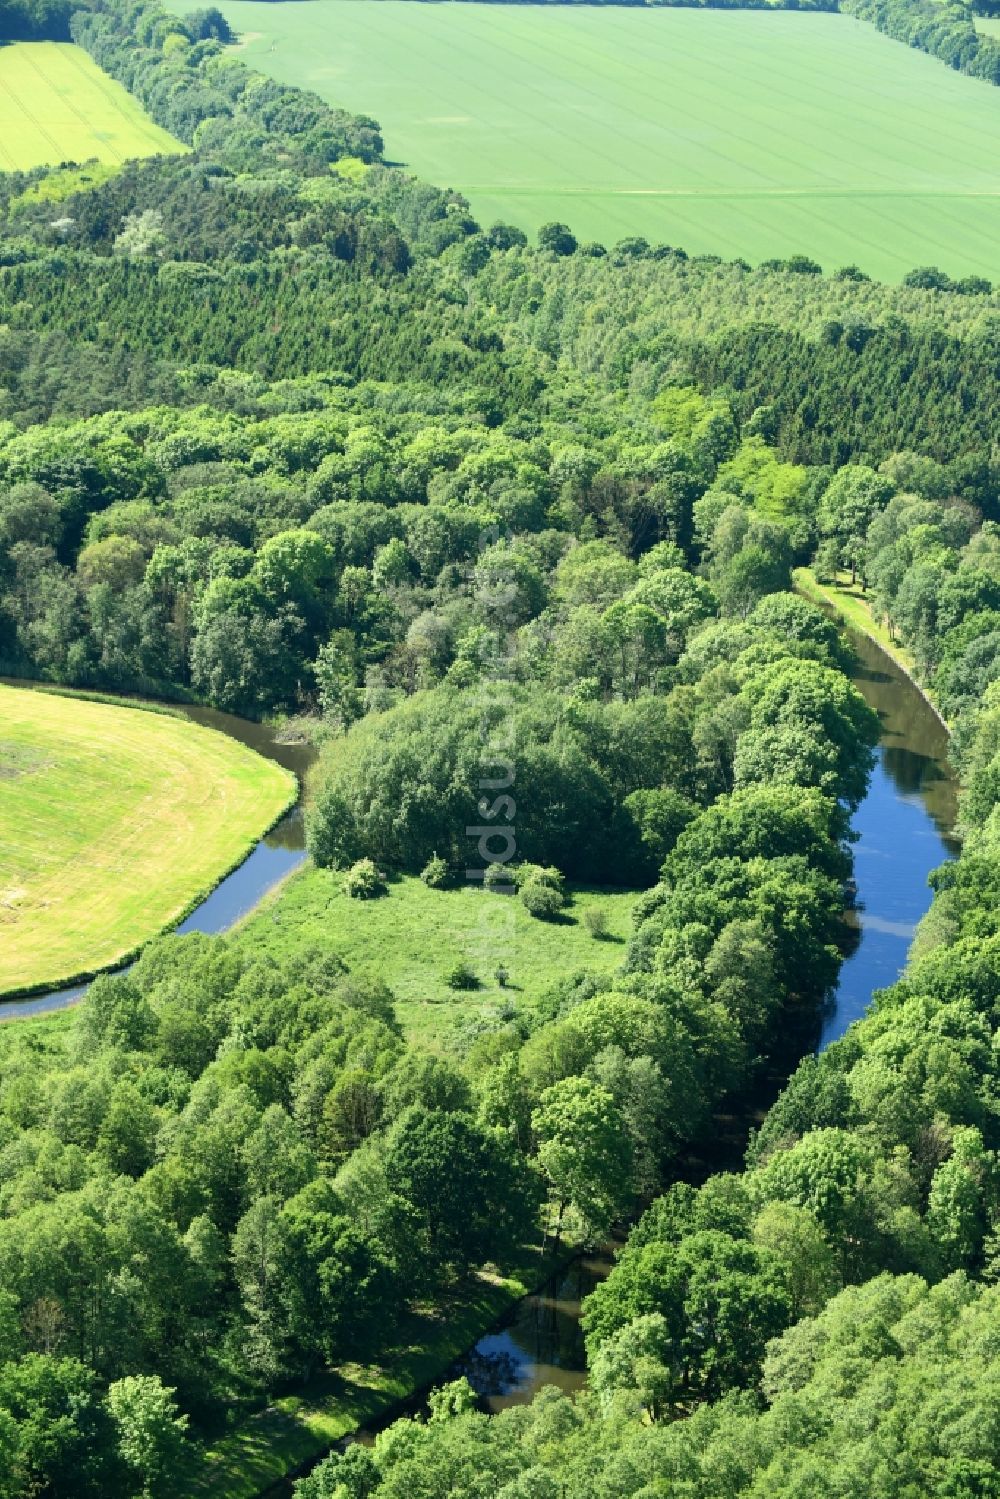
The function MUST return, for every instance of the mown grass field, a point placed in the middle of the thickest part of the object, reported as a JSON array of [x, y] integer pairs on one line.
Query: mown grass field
[[56, 105], [112, 822], [749, 133], [411, 936]]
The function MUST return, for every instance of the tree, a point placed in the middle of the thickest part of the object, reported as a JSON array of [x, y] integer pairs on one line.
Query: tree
[[152, 1436], [558, 238], [805, 697], [470, 1193], [64, 1443], [583, 1149], [793, 1236], [720, 1300], [635, 1361], [851, 501]]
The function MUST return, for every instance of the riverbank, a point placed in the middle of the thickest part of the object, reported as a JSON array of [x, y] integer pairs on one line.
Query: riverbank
[[297, 1429], [848, 603]]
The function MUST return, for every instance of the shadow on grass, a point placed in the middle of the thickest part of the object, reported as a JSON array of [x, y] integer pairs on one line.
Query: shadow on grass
[[296, 1430]]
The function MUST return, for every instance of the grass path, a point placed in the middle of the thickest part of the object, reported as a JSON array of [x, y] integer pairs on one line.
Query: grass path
[[744, 133], [57, 105], [113, 823]]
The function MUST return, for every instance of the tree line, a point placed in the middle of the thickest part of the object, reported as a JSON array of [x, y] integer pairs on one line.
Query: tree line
[[35, 20]]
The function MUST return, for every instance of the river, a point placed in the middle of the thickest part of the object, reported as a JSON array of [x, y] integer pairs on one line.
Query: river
[[903, 829]]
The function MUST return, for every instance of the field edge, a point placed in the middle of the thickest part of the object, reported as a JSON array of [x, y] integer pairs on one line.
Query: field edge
[[128, 955]]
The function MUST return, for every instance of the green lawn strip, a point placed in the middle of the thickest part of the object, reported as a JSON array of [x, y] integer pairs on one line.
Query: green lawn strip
[[411, 936], [848, 600], [298, 1428]]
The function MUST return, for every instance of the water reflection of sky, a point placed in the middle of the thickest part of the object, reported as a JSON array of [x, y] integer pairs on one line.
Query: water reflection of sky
[[241, 891], [901, 826]]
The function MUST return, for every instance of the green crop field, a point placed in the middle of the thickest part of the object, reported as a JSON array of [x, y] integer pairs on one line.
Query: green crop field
[[56, 105], [749, 133], [112, 822]]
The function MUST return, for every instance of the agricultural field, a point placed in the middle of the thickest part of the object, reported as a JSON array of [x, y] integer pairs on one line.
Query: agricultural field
[[752, 134], [412, 936], [56, 105], [113, 821]]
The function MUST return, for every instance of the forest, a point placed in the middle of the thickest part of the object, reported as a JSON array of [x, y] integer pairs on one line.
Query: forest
[[509, 532]]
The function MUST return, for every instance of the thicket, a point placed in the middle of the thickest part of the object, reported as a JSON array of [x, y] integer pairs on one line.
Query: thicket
[[35, 20]]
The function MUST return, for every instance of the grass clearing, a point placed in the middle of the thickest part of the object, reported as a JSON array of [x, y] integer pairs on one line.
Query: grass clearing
[[113, 823], [56, 105], [413, 935], [750, 133]]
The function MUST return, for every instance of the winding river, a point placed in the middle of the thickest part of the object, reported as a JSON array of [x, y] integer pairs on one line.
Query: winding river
[[903, 831]]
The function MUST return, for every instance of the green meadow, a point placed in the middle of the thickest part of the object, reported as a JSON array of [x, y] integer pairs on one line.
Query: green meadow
[[56, 105], [752, 134], [412, 936]]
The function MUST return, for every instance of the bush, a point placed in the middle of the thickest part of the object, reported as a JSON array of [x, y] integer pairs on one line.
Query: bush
[[435, 874], [595, 919], [541, 874], [461, 975], [363, 881], [498, 879], [541, 900]]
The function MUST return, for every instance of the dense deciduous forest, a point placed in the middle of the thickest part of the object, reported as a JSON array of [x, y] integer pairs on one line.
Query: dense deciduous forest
[[35, 20], [286, 431]]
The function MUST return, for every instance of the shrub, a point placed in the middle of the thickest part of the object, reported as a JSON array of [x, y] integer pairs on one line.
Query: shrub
[[542, 874], [363, 881], [461, 975], [435, 874], [540, 899], [498, 879], [595, 919]]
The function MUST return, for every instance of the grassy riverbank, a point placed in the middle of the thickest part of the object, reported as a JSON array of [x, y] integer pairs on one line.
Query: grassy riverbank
[[298, 1428], [115, 822], [849, 601]]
